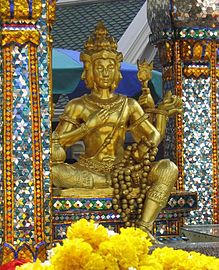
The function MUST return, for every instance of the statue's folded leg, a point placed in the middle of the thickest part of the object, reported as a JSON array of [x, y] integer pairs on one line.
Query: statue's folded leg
[[162, 178], [69, 176]]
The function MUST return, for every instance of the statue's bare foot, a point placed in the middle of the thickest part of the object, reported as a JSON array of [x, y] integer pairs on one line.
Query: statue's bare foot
[[154, 241], [144, 228]]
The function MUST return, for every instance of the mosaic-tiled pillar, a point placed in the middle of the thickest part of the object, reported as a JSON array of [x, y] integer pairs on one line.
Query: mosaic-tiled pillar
[[187, 36], [25, 122]]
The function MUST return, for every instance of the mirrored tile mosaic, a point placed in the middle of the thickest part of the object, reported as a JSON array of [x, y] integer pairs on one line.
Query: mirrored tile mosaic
[[158, 13], [198, 146], [22, 149], [193, 13]]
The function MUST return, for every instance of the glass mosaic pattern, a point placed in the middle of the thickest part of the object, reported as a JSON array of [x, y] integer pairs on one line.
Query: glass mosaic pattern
[[22, 151], [26, 187], [68, 210], [183, 19], [189, 13], [45, 117], [66, 204], [158, 13], [97, 216], [198, 146], [192, 13]]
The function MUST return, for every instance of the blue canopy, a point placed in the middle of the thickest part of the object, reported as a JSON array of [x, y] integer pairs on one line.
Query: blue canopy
[[67, 70]]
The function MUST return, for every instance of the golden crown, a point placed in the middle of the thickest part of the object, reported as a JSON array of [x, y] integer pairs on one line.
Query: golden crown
[[100, 45]]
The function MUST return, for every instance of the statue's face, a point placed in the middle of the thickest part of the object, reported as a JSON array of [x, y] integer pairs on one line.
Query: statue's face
[[104, 71]]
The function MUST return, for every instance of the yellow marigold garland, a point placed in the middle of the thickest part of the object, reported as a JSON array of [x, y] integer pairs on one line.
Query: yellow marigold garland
[[90, 247], [89, 232]]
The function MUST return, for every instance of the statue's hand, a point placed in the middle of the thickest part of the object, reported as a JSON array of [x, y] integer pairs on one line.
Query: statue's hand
[[171, 104], [55, 137], [58, 152], [97, 118], [146, 99], [144, 72]]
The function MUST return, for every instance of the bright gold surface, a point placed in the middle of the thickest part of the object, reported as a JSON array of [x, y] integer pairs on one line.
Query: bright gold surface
[[21, 10], [20, 36], [101, 120]]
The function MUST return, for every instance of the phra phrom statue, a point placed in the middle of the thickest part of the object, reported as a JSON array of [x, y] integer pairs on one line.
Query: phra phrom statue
[[140, 186]]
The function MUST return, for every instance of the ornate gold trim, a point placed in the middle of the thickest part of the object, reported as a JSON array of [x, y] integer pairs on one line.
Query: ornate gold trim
[[20, 36], [214, 124], [21, 10], [8, 147], [49, 42], [51, 11], [36, 145], [179, 118], [196, 72]]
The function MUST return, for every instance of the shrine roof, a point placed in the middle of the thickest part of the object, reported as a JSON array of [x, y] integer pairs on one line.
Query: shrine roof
[[75, 22]]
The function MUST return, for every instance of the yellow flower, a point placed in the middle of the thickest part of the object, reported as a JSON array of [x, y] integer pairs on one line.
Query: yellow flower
[[126, 248], [149, 263], [138, 238], [183, 260], [89, 232], [111, 263], [35, 266], [74, 254], [95, 262], [88, 247]]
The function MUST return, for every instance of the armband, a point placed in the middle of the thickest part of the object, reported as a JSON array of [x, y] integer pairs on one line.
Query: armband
[[139, 121], [66, 118]]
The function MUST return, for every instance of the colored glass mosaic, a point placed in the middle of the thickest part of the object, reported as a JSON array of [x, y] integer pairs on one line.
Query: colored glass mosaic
[[68, 210], [80, 204], [97, 216], [60, 230], [197, 33], [26, 123], [195, 13], [199, 18], [158, 13], [192, 27], [185, 33], [198, 146], [166, 228]]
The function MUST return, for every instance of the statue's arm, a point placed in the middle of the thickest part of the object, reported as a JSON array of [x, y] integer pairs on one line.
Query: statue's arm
[[71, 137], [70, 128], [140, 126], [170, 105], [161, 123], [73, 127]]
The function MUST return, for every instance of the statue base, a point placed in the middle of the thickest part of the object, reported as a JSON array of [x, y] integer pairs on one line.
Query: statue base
[[89, 193], [68, 208]]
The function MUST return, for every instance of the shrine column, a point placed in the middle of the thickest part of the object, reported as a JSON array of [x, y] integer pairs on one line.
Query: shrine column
[[186, 34], [25, 122]]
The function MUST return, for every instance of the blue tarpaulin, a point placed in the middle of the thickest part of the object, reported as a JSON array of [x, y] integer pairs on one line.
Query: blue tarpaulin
[[67, 70]]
